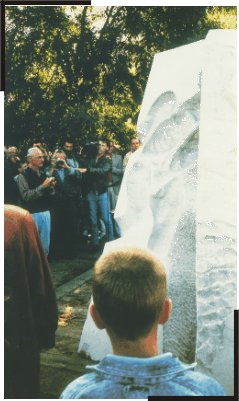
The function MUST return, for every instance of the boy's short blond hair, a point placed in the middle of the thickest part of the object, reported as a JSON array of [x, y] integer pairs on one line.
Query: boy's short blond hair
[[129, 291]]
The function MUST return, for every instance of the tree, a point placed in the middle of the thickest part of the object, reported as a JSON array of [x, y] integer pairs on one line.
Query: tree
[[86, 75]]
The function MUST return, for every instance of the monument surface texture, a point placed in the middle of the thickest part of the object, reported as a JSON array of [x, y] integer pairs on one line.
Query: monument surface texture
[[178, 199], [216, 210]]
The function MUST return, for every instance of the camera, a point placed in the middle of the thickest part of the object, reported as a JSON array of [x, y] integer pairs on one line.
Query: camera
[[59, 163], [90, 150]]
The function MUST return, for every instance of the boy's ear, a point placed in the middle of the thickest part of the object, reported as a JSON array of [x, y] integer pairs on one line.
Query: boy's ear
[[166, 311], [96, 317]]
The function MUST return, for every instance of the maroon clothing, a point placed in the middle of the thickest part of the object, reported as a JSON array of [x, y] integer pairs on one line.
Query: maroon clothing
[[30, 318]]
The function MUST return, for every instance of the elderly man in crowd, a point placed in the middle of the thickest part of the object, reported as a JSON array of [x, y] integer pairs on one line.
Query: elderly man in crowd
[[134, 143], [36, 190], [65, 214]]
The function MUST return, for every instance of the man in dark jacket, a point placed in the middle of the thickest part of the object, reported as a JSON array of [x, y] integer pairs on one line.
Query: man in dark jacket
[[36, 189], [65, 213], [97, 180]]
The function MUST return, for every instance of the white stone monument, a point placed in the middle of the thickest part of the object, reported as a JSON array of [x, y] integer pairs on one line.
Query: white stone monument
[[216, 210], [178, 199]]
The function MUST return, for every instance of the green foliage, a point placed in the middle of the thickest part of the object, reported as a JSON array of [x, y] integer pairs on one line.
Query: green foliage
[[86, 75], [221, 18]]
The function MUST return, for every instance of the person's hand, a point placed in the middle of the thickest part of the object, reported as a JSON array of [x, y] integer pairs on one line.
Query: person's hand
[[82, 170], [48, 181], [64, 164], [53, 163], [53, 184]]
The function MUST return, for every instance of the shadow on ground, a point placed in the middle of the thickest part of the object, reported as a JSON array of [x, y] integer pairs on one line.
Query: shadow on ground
[[62, 364]]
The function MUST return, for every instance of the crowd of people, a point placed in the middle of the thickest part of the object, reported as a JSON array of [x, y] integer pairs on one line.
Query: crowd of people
[[60, 194], [129, 300], [70, 195]]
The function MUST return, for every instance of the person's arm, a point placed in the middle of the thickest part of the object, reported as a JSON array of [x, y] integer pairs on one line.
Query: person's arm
[[28, 194], [81, 170], [103, 169], [76, 171]]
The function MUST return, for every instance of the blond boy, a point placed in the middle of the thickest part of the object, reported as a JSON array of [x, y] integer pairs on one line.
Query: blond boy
[[129, 301]]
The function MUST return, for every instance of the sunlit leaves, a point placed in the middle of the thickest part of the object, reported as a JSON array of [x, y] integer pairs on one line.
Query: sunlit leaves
[[222, 17], [83, 70]]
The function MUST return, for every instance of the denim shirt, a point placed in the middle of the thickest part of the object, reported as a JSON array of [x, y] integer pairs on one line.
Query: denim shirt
[[72, 162], [123, 377], [60, 172]]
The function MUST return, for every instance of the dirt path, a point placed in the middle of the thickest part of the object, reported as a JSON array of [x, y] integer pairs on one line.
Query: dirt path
[[62, 364]]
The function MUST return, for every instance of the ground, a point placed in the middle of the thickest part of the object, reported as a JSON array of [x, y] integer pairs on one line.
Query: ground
[[62, 364]]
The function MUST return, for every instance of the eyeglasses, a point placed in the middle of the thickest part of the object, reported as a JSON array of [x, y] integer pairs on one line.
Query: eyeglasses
[[39, 157]]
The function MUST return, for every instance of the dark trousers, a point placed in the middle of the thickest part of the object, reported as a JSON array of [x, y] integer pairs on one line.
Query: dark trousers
[[64, 227]]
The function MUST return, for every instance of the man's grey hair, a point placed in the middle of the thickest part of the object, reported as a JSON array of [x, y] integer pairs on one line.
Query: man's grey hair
[[11, 148], [31, 151]]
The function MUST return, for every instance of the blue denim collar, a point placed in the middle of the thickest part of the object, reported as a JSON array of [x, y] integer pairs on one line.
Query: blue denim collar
[[165, 366]]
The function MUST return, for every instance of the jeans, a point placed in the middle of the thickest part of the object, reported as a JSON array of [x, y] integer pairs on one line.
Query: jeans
[[43, 225], [113, 201], [99, 203]]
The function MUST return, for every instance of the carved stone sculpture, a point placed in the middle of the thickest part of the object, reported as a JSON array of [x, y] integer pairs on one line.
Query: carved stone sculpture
[[161, 206]]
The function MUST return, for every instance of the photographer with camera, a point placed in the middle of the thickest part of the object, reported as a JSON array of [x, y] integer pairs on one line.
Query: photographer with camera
[[65, 214], [96, 181]]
